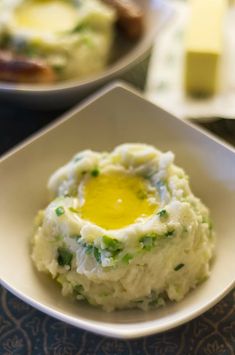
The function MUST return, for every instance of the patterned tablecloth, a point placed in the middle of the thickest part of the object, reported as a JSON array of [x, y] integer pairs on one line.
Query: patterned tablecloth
[[24, 330]]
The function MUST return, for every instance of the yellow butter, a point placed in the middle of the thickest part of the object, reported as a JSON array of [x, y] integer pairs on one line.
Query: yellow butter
[[116, 200], [204, 46]]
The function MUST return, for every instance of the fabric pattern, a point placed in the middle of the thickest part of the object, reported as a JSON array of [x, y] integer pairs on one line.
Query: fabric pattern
[[24, 330]]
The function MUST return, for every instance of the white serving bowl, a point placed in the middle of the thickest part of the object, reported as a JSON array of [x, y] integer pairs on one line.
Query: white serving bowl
[[114, 116], [65, 93]]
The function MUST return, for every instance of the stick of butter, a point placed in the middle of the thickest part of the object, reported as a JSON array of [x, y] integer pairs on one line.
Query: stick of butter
[[204, 45]]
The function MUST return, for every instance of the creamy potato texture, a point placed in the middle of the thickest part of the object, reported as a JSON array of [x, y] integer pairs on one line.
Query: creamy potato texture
[[74, 37], [123, 229]]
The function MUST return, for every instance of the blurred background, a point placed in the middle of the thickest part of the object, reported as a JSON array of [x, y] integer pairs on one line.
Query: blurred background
[[179, 53]]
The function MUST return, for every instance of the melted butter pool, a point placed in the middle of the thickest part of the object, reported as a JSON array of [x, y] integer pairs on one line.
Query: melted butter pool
[[115, 200], [46, 16]]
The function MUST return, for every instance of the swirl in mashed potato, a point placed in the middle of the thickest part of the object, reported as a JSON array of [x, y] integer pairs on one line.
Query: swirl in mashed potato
[[123, 229]]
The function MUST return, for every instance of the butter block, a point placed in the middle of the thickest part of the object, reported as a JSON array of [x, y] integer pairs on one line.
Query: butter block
[[204, 46]]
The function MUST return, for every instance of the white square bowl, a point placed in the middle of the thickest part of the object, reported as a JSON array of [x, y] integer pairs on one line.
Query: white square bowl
[[114, 116]]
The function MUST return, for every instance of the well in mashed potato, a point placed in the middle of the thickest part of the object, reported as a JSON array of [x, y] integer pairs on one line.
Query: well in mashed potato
[[123, 229]]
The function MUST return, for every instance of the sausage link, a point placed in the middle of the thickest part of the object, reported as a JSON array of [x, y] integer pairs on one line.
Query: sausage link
[[130, 17], [20, 69]]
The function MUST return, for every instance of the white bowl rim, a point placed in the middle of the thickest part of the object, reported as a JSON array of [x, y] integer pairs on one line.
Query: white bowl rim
[[129, 331], [116, 84]]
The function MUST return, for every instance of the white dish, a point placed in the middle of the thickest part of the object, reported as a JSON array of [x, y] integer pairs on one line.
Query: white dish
[[114, 116], [66, 93]]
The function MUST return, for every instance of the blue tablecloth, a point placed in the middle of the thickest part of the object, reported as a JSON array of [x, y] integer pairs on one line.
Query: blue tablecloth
[[24, 330]]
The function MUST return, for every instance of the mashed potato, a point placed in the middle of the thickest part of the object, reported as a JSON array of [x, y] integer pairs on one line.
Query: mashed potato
[[72, 37], [123, 229]]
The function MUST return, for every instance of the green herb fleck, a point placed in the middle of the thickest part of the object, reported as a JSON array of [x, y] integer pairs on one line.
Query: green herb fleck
[[58, 68], [148, 241], [111, 244], [95, 172], [72, 191], [210, 225], [64, 257], [158, 302], [79, 28], [88, 41], [126, 258], [58, 238], [178, 267], [97, 255], [72, 209], [29, 51], [169, 234], [163, 214], [89, 249], [78, 289], [76, 236], [59, 211]]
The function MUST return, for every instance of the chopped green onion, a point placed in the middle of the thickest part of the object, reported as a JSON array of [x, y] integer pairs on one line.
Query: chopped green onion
[[169, 234], [178, 267], [163, 214], [76, 236], [97, 255], [58, 238], [79, 28], [147, 242], [157, 302], [78, 289], [88, 41], [59, 211], [95, 172], [89, 249], [126, 258], [111, 244], [64, 257]]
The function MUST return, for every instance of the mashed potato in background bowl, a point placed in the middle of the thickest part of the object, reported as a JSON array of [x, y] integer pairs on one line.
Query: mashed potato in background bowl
[[123, 229], [68, 39], [37, 73]]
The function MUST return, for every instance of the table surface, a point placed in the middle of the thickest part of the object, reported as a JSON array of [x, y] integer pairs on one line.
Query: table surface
[[24, 330]]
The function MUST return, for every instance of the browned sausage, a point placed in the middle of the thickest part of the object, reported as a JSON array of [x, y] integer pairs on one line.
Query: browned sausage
[[130, 17], [20, 69]]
